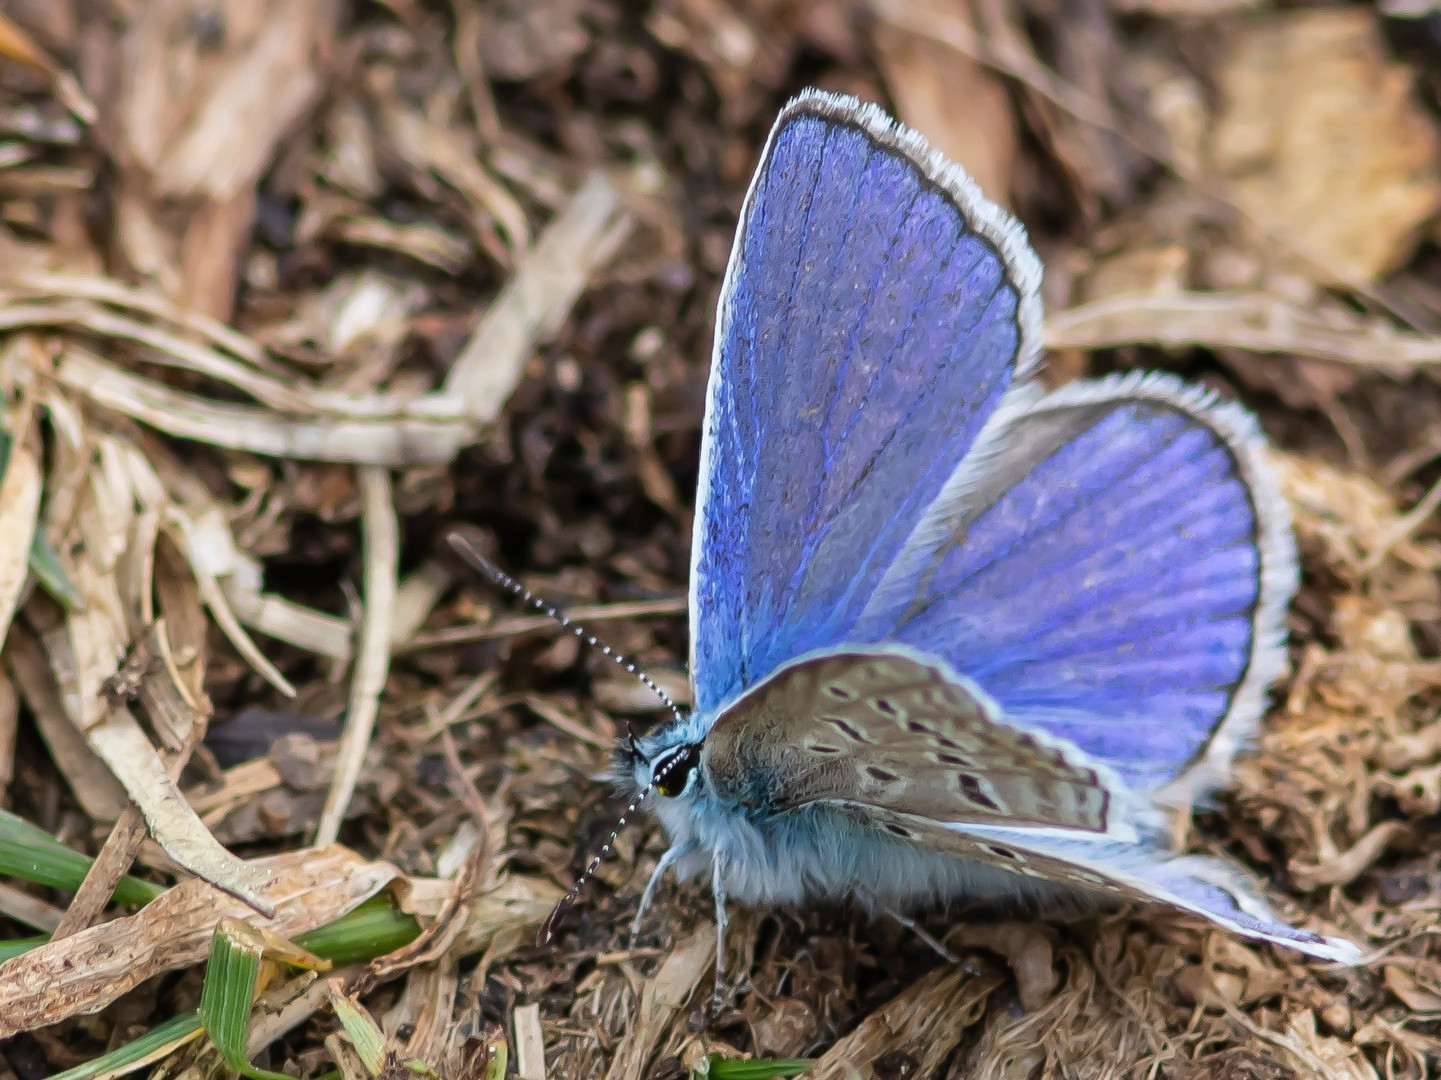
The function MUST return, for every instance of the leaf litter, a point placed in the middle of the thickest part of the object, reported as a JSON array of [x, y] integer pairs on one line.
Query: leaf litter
[[287, 289]]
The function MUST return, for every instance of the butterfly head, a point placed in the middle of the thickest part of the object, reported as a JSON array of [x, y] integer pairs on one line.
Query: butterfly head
[[665, 763]]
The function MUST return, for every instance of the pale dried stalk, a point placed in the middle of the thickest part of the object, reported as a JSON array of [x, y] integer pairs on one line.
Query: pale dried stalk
[[381, 532], [1252, 321], [71, 287], [282, 619], [538, 297], [513, 625], [421, 437], [161, 346], [189, 538], [20, 490]]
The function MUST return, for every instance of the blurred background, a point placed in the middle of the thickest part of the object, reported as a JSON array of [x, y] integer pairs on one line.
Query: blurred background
[[288, 288]]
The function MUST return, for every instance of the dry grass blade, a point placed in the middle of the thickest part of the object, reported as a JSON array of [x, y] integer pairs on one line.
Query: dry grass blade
[[661, 1001], [538, 297], [372, 661], [429, 434], [173, 824], [926, 1023], [1250, 321], [20, 489], [85, 972]]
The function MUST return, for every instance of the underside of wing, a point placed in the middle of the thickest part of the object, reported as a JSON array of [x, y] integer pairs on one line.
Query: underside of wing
[[890, 729], [875, 311], [1112, 565], [1127, 873]]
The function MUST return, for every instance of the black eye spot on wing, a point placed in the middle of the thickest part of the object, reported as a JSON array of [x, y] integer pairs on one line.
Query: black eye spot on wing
[[976, 793], [823, 748], [898, 830], [884, 776], [839, 692], [886, 708], [846, 728], [1000, 852]]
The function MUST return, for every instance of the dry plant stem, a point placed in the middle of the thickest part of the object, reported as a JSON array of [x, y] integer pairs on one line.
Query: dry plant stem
[[428, 435], [71, 287], [116, 855], [926, 1021], [529, 1043], [372, 662], [1252, 321], [538, 297], [267, 1027], [17, 904], [9, 728], [1406, 526], [513, 625]]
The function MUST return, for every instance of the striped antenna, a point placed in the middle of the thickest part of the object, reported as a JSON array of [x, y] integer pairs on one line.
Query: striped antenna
[[547, 928], [467, 550]]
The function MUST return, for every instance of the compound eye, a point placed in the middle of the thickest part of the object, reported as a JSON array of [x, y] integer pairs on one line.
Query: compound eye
[[672, 773]]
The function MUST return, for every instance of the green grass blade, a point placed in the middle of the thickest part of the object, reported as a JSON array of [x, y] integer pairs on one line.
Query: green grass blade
[[228, 993], [45, 565], [155, 1044], [362, 1031], [31, 854], [16, 946], [373, 929]]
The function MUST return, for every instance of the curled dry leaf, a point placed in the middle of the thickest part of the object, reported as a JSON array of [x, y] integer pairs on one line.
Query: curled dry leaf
[[1028, 950], [1321, 137]]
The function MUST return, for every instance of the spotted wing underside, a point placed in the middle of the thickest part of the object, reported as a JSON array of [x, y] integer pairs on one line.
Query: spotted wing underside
[[890, 729]]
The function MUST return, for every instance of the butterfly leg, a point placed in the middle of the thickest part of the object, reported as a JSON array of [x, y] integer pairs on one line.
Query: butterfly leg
[[921, 932], [722, 920], [673, 854]]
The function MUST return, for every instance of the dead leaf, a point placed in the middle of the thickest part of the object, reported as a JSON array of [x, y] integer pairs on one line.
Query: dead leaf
[[1321, 137]]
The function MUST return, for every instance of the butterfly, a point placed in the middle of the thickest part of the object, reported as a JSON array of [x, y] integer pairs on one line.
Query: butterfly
[[951, 635]]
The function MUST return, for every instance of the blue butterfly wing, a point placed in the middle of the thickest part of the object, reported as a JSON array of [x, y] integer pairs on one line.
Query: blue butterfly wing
[[1112, 566], [875, 311]]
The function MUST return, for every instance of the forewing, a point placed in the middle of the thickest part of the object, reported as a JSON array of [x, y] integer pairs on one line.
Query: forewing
[[889, 730], [1112, 567], [875, 310], [1125, 872]]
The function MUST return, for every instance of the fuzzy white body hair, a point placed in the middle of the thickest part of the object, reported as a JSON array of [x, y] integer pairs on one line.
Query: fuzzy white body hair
[[818, 853]]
